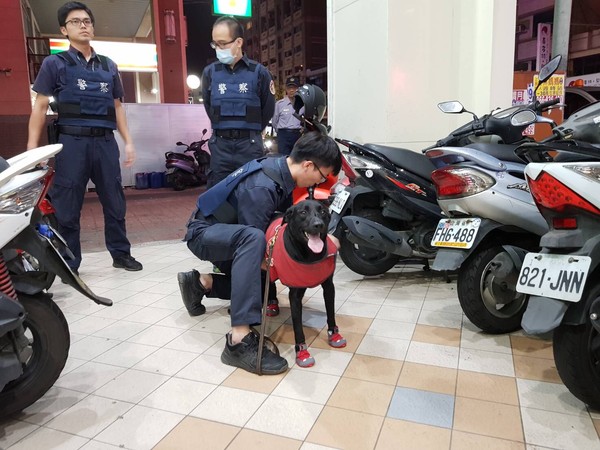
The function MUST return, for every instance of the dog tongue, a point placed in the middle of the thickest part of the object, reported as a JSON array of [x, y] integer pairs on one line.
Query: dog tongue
[[315, 243]]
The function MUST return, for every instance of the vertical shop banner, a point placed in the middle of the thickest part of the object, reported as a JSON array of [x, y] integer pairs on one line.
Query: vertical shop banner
[[544, 45]]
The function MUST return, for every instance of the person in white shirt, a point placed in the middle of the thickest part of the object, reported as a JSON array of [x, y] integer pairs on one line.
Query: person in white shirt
[[288, 128]]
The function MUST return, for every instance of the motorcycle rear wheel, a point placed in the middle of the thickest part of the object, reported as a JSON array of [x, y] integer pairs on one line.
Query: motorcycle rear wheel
[[577, 357], [490, 302], [48, 333], [363, 260]]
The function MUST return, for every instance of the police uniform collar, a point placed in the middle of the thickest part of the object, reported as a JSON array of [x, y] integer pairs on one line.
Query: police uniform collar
[[76, 53], [286, 175]]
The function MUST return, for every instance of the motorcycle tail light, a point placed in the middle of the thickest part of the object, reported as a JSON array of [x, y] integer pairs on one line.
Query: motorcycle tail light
[[22, 198], [347, 167], [549, 193], [564, 223], [456, 182]]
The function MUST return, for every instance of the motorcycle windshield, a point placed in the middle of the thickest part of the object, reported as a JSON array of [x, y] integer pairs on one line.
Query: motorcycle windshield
[[584, 124]]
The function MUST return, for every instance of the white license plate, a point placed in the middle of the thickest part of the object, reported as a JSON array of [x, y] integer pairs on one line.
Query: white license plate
[[456, 233], [555, 276], [339, 201]]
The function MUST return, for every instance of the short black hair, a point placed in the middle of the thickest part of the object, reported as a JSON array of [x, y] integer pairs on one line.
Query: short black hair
[[235, 28], [64, 10], [318, 148]]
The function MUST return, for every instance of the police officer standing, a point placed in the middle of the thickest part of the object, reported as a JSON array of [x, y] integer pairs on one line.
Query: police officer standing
[[288, 128], [87, 88], [239, 97]]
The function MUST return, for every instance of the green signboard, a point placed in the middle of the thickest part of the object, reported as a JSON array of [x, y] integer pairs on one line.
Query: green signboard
[[240, 8]]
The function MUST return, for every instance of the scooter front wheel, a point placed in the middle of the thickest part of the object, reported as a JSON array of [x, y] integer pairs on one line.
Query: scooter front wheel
[[487, 293], [577, 357], [177, 181], [48, 333]]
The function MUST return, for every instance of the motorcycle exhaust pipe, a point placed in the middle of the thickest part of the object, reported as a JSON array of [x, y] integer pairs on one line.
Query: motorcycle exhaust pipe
[[371, 234]]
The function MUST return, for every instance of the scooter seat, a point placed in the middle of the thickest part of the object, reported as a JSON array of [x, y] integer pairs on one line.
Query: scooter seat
[[179, 156], [503, 152], [412, 161]]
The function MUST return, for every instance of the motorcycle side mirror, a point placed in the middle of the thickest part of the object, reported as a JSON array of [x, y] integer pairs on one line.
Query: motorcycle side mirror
[[523, 117], [452, 107], [204, 131], [548, 70], [179, 143]]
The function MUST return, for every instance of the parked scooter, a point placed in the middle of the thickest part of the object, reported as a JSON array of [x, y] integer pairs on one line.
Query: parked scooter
[[34, 335], [492, 222], [563, 280], [185, 170], [390, 211]]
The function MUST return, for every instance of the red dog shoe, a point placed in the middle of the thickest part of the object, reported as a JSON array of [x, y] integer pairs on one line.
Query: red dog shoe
[[273, 308], [303, 358], [335, 338]]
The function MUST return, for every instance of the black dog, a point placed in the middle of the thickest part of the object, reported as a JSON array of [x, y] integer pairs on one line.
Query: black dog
[[303, 256]]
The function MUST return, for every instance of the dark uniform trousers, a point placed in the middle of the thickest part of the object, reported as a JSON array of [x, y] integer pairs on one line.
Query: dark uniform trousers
[[238, 251], [84, 158], [286, 138], [228, 155]]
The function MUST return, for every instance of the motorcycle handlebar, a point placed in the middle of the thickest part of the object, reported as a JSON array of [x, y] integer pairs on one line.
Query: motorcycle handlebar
[[544, 105]]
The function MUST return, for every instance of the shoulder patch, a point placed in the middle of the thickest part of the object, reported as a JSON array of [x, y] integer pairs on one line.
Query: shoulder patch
[[272, 87]]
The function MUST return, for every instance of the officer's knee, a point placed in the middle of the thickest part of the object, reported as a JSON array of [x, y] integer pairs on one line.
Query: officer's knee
[[253, 237]]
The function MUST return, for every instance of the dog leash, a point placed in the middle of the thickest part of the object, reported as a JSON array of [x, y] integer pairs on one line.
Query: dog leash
[[263, 323]]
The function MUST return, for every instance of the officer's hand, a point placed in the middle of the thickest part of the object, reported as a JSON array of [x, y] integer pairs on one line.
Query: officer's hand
[[129, 155]]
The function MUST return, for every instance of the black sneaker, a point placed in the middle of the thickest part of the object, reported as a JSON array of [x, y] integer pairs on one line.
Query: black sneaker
[[245, 354], [127, 262], [192, 292]]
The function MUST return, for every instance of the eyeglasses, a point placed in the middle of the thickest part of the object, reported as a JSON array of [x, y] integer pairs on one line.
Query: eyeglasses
[[323, 176], [78, 22], [214, 45]]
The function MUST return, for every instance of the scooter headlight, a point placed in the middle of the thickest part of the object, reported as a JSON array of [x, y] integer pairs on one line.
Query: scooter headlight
[[21, 199]]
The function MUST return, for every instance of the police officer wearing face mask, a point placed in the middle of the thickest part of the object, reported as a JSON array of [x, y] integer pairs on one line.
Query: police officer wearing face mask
[[239, 97]]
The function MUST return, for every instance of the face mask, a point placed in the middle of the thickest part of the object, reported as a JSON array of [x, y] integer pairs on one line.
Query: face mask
[[224, 55]]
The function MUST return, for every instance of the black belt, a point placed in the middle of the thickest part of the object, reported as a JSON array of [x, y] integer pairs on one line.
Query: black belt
[[233, 134], [83, 131], [292, 130]]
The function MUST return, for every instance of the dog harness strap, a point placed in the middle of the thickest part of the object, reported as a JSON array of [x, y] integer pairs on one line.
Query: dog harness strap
[[292, 273]]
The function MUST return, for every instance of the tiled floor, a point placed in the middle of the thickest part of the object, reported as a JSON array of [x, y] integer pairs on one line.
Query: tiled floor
[[142, 374]]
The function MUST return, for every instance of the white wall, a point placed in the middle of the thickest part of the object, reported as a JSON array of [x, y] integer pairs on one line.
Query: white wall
[[154, 129], [391, 61]]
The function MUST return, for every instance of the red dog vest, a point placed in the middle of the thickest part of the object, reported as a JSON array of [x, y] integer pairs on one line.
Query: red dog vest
[[293, 273]]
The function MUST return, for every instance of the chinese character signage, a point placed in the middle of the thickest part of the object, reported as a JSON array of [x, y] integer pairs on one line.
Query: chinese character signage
[[544, 45]]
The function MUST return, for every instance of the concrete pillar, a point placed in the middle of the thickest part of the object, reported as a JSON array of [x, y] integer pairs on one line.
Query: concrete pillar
[[561, 30], [172, 63], [386, 79]]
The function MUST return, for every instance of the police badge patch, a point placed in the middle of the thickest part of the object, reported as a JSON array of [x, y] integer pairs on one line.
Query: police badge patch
[[272, 87]]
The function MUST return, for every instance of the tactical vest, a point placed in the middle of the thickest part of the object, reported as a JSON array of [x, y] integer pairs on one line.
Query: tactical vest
[[234, 97], [292, 273], [87, 98], [214, 202]]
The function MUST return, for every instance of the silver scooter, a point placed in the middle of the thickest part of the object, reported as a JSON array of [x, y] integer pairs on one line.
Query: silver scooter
[[492, 221]]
